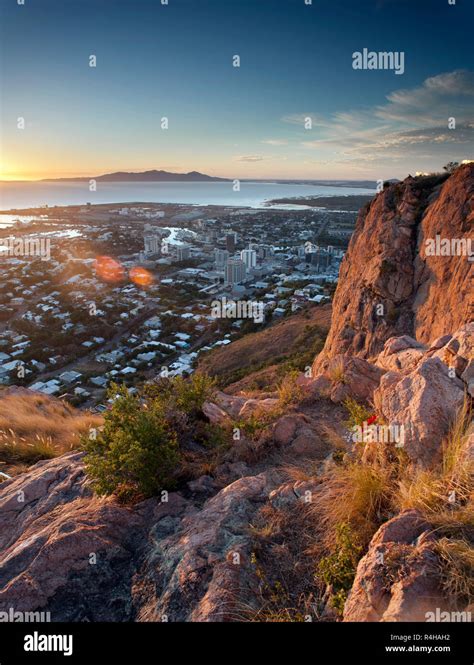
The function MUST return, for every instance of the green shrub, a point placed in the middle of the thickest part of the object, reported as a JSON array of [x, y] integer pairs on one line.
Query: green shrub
[[185, 395], [147, 436], [193, 392], [358, 413], [136, 449], [338, 569]]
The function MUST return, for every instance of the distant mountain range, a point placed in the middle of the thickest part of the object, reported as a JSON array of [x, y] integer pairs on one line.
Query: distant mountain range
[[145, 176], [195, 176]]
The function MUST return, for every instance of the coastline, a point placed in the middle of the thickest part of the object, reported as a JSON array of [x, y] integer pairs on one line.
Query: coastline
[[17, 198]]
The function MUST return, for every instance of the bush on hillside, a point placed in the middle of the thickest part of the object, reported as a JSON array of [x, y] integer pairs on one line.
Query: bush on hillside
[[139, 451], [136, 450]]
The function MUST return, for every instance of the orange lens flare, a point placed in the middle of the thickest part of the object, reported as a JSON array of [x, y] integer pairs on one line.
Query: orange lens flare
[[141, 277], [109, 269]]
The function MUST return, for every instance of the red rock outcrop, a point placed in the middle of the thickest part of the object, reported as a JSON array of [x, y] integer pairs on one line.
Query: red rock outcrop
[[389, 283]]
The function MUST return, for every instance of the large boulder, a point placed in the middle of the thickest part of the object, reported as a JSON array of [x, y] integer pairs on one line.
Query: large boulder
[[397, 580], [458, 354], [400, 353], [425, 402], [295, 434], [254, 407], [203, 572], [65, 550], [216, 415], [345, 377]]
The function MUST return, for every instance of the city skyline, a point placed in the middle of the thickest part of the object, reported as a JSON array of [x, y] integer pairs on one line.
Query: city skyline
[[295, 107]]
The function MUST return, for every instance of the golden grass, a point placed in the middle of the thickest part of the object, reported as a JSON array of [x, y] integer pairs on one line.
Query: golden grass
[[279, 339], [34, 427], [336, 371], [443, 494], [456, 567], [365, 492], [356, 493], [304, 471], [289, 392]]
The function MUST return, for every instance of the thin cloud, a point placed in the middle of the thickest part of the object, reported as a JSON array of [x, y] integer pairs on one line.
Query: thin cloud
[[413, 123], [275, 142], [249, 158]]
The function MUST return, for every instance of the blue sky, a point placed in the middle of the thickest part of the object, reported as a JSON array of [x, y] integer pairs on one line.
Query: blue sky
[[175, 61]]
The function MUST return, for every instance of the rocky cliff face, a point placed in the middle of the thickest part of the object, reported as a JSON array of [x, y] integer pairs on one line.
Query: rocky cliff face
[[390, 283]]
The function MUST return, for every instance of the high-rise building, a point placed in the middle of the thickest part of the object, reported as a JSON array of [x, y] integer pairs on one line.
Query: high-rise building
[[263, 251], [249, 257], [152, 245], [230, 241], [234, 271], [220, 257], [182, 253]]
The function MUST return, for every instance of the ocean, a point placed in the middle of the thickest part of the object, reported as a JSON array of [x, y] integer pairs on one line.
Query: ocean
[[17, 195]]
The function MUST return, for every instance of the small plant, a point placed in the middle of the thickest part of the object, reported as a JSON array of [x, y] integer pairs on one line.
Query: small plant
[[336, 371], [251, 426], [450, 167], [358, 413], [289, 391], [339, 568]]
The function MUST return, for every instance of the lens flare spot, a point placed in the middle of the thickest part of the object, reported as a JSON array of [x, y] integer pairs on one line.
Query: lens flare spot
[[109, 269], [140, 276]]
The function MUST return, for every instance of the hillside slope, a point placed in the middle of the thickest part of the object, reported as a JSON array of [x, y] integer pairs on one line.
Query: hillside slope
[[288, 339]]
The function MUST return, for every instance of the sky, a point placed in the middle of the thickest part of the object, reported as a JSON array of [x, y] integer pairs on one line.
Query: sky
[[175, 61]]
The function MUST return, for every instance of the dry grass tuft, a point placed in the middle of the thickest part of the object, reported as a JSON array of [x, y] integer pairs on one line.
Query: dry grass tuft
[[356, 493], [335, 437], [35, 427], [443, 494], [456, 566], [336, 371], [289, 392]]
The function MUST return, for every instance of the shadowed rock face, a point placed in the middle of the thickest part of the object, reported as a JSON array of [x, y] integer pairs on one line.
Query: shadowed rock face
[[64, 550], [388, 264]]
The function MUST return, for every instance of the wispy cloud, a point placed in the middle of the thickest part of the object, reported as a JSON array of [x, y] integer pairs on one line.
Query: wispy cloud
[[440, 97], [249, 158], [275, 142], [412, 124]]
